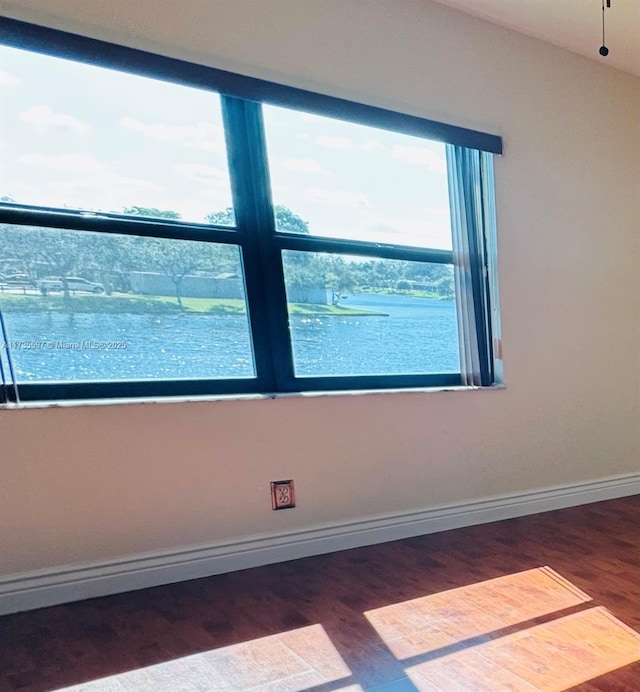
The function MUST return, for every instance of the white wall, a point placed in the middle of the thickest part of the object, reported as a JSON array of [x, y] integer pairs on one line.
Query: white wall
[[95, 482]]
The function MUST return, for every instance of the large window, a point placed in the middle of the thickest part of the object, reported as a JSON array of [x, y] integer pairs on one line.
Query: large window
[[172, 229]]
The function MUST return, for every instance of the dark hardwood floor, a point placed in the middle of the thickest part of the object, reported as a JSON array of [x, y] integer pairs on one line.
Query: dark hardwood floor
[[342, 621]]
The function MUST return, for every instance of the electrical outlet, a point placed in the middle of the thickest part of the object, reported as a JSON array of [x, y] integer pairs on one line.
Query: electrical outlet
[[282, 495]]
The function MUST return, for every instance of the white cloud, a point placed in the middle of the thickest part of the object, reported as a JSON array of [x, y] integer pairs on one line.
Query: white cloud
[[217, 196], [419, 156], [335, 142], [390, 226], [303, 166], [199, 173], [437, 214], [433, 230], [44, 117], [337, 198], [372, 145], [82, 182], [204, 135], [7, 79], [108, 190], [69, 163], [115, 182]]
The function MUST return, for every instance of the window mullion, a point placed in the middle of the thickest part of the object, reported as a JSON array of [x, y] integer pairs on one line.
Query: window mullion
[[264, 276], [116, 224], [291, 241]]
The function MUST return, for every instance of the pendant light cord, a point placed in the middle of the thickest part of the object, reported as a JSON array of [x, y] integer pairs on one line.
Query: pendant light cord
[[604, 51]]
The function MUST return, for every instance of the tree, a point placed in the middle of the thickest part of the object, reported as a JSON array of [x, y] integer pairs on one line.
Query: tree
[[152, 212], [175, 259], [338, 277], [446, 286], [226, 217], [178, 259], [60, 253], [285, 219], [114, 256], [57, 254], [304, 273]]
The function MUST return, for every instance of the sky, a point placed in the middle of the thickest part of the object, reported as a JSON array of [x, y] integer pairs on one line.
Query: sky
[[79, 136]]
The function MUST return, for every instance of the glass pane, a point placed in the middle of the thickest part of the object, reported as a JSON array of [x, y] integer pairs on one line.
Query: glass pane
[[357, 316], [338, 179], [84, 137], [82, 306]]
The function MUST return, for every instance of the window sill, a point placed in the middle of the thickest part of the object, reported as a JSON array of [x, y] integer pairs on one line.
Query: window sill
[[72, 403]]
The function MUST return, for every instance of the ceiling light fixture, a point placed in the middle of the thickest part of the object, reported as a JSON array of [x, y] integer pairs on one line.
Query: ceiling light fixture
[[604, 51]]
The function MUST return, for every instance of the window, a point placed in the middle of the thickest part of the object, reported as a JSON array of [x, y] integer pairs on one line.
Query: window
[[172, 229]]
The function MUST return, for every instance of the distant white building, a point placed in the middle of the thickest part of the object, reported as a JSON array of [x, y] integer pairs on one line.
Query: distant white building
[[156, 284], [227, 285]]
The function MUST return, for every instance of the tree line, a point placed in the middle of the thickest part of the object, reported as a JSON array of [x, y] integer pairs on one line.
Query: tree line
[[108, 258]]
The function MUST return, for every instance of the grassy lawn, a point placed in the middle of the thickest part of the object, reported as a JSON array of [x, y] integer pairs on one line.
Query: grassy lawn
[[14, 302], [125, 303], [337, 310], [411, 293], [219, 306]]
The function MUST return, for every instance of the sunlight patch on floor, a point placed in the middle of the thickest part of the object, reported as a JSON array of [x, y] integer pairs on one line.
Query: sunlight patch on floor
[[551, 657], [449, 617], [287, 662], [446, 641]]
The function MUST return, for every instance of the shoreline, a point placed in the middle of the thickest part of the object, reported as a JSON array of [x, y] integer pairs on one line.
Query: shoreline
[[120, 304]]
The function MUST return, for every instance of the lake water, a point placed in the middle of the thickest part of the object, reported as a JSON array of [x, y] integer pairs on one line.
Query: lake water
[[416, 335]]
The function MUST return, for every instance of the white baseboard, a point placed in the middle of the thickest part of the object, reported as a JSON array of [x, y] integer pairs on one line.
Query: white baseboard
[[51, 587]]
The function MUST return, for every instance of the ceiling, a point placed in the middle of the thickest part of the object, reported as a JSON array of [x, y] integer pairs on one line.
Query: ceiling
[[572, 24]]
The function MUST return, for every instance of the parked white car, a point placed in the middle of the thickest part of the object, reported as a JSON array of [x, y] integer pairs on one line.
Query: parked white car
[[75, 283]]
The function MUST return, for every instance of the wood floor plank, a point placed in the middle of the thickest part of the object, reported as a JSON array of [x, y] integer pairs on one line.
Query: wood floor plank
[[307, 618]]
